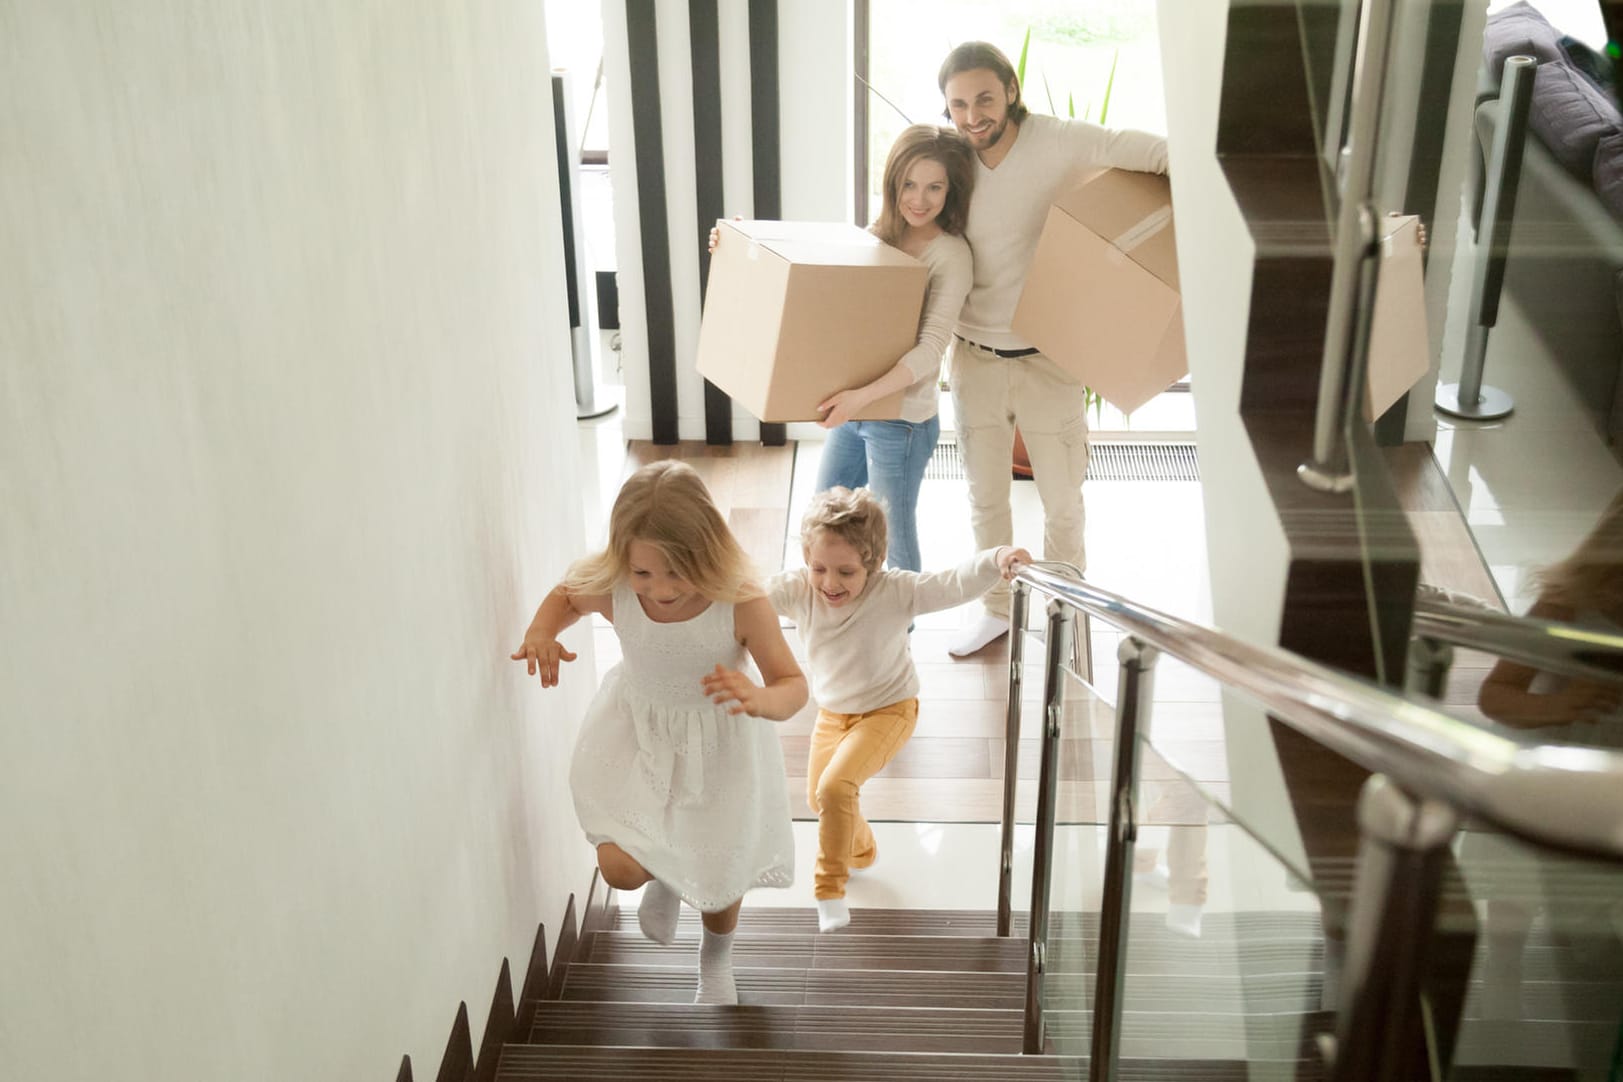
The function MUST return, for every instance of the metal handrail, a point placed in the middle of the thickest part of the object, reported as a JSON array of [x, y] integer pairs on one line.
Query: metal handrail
[[1544, 644], [1428, 768], [1357, 261], [1564, 796]]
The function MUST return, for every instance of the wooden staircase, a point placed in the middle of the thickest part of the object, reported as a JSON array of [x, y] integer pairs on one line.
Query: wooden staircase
[[908, 994]]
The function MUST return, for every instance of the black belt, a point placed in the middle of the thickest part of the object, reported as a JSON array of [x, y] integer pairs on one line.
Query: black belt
[[999, 352]]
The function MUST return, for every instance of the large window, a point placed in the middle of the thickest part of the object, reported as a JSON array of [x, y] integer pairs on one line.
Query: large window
[[1073, 49]]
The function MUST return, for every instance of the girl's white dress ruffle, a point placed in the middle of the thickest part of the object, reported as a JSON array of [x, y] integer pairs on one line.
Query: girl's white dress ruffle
[[696, 795]]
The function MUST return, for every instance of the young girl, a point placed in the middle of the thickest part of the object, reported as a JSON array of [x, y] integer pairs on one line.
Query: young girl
[[676, 782], [929, 177], [853, 618]]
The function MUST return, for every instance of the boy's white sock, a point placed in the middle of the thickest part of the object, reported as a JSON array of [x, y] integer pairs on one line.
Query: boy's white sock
[[832, 914], [1157, 878], [657, 912], [1184, 919], [979, 634], [716, 969]]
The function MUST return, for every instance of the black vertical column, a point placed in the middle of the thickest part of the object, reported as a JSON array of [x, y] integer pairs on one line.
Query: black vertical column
[[704, 34], [764, 120], [643, 46]]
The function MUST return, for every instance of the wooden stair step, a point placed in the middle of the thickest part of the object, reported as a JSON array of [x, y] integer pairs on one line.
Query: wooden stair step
[[521, 1063], [1273, 1038], [796, 986], [766, 919], [527, 1063], [981, 954], [1209, 956], [880, 1029]]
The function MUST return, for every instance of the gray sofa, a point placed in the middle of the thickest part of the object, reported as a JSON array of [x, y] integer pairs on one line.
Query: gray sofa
[[1565, 267]]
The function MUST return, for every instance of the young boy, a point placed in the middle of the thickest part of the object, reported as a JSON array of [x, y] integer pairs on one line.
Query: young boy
[[854, 618]]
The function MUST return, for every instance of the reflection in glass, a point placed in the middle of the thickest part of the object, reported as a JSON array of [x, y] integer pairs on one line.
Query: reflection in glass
[[1584, 591]]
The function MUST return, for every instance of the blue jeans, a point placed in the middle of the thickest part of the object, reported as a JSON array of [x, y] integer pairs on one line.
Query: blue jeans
[[889, 457]]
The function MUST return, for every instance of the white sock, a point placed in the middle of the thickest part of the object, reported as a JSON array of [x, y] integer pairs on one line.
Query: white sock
[[716, 969], [832, 914], [1156, 878], [1184, 919], [979, 634], [657, 912]]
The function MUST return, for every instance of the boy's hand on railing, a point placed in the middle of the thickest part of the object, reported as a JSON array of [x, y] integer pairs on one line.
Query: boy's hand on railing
[[1009, 560]]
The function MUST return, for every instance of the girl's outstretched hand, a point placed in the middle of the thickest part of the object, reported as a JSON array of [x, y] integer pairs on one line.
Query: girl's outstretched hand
[[729, 686], [543, 655]]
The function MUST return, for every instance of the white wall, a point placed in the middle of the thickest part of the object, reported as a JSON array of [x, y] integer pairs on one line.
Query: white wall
[[285, 453], [1246, 547]]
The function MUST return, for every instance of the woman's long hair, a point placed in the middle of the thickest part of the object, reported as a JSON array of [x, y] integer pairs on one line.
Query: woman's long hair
[[666, 505], [927, 142]]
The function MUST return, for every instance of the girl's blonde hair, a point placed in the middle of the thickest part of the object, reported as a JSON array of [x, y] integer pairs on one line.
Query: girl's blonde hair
[[666, 505], [1592, 577], [857, 518], [926, 142]]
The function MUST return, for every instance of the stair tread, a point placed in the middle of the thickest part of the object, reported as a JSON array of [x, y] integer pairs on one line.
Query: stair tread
[[521, 1063], [796, 985], [920, 1029], [982, 922], [814, 951], [1209, 955]]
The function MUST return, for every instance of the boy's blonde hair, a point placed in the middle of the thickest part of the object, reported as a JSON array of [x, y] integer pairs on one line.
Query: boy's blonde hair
[[666, 505], [857, 518]]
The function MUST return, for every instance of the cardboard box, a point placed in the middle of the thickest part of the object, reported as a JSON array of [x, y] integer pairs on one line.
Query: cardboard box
[[795, 311], [1399, 344], [1101, 298]]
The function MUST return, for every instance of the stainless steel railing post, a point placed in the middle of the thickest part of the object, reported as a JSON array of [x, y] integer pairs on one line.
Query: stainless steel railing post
[[1469, 398], [1042, 861], [1352, 293], [1020, 599], [1133, 692], [1392, 926]]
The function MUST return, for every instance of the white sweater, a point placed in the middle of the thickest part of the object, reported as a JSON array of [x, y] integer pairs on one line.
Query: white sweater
[[858, 653], [1010, 205], [951, 272]]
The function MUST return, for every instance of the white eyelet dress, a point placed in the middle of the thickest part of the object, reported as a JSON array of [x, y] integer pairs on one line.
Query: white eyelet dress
[[696, 795]]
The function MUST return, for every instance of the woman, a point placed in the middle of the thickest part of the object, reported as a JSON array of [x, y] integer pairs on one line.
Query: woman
[[928, 180], [929, 177]]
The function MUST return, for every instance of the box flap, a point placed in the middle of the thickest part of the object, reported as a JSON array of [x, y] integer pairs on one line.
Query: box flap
[[834, 244], [1133, 212]]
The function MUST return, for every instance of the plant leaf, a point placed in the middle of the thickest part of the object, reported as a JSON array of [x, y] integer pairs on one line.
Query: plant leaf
[[1020, 68], [1109, 84]]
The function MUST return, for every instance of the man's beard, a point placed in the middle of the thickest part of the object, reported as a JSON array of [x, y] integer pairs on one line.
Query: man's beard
[[994, 134]]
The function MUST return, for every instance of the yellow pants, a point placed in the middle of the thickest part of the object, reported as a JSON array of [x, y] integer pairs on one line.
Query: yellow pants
[[847, 750]]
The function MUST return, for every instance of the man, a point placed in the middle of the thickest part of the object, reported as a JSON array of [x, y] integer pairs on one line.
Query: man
[[998, 380]]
